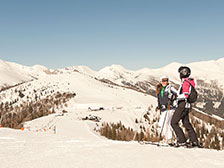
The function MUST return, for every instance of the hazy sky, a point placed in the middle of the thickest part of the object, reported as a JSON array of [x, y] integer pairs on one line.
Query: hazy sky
[[98, 33]]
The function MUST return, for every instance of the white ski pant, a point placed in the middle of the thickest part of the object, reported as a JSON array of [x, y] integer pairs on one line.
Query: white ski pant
[[165, 123]]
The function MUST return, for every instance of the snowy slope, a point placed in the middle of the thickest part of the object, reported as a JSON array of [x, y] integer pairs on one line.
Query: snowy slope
[[208, 76], [120, 104], [75, 145], [12, 73], [207, 70]]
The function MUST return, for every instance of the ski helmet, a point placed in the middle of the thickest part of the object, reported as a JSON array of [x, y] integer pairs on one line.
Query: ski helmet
[[184, 71], [164, 77]]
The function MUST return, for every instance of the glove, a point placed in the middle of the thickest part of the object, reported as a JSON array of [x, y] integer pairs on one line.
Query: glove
[[163, 107], [188, 105], [170, 96], [175, 103], [174, 97], [171, 99]]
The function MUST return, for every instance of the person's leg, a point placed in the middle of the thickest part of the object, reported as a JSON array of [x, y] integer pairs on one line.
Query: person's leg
[[191, 133], [175, 123], [169, 130], [162, 122]]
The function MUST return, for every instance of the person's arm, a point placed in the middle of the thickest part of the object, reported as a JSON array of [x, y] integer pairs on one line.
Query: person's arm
[[185, 91], [158, 107], [172, 95], [157, 94], [173, 90]]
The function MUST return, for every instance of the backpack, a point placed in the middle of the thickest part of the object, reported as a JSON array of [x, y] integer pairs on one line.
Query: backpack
[[192, 97]]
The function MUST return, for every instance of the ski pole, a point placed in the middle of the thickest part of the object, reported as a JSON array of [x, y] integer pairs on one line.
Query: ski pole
[[150, 125]]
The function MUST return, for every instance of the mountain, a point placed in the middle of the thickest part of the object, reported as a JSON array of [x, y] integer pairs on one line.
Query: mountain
[[207, 70], [12, 73], [119, 103], [208, 74]]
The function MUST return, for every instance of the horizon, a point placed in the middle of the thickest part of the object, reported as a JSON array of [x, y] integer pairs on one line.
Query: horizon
[[134, 34], [117, 65]]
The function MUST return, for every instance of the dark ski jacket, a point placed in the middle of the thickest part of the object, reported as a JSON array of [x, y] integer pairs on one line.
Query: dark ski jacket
[[165, 100]]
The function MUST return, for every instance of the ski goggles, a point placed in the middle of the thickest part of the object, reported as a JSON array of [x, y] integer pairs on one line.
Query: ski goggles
[[164, 80]]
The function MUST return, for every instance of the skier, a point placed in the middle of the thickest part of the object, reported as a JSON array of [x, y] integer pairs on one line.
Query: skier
[[183, 109], [166, 94]]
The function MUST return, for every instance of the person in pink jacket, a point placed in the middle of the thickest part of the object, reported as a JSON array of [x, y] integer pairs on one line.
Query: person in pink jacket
[[183, 109]]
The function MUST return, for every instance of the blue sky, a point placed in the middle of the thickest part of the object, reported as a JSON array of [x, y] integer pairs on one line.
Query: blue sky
[[98, 33]]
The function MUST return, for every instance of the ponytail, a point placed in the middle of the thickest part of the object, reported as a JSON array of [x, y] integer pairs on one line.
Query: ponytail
[[158, 88]]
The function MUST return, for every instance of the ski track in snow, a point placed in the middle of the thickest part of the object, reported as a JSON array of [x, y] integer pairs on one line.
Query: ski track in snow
[[76, 145]]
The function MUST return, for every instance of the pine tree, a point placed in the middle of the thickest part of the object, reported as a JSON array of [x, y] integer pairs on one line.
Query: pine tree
[[141, 135], [114, 134], [222, 141], [137, 137], [217, 143], [110, 133]]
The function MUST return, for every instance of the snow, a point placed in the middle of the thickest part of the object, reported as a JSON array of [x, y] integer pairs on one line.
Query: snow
[[120, 104], [12, 73], [81, 68], [116, 73], [214, 116], [216, 104], [76, 145], [38, 69], [207, 70], [66, 141]]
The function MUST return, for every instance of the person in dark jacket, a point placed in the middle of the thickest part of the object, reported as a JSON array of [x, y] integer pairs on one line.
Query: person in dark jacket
[[183, 109], [165, 92]]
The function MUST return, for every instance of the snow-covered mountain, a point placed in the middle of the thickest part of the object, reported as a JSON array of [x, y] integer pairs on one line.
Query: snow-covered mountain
[[123, 93], [12, 73], [208, 74], [63, 112], [207, 70]]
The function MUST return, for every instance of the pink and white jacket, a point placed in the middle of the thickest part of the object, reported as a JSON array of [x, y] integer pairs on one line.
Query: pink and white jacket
[[184, 89]]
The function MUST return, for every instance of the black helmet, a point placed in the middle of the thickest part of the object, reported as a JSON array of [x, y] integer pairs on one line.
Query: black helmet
[[184, 71]]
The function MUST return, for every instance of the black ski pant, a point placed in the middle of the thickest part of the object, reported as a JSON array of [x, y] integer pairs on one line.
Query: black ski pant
[[182, 113]]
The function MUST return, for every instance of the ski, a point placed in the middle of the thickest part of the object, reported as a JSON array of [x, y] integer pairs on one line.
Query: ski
[[162, 144], [159, 144]]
